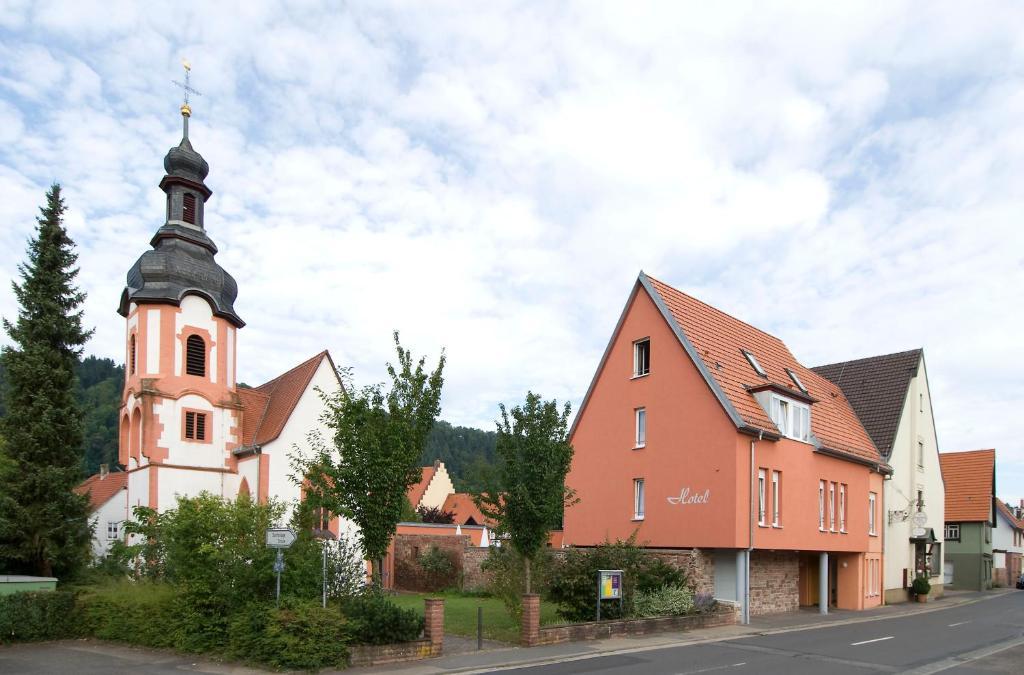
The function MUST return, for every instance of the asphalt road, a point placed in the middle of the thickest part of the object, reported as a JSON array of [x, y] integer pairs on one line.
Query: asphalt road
[[967, 639]]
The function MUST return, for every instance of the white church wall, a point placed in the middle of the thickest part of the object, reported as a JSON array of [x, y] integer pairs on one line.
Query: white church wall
[[249, 470], [138, 488], [230, 356], [211, 454], [153, 341], [176, 483], [195, 312]]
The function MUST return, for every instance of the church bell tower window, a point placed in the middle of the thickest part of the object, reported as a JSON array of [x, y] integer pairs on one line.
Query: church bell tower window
[[188, 208], [195, 356], [131, 355]]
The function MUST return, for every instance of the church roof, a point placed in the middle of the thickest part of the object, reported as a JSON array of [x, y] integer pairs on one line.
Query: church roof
[[268, 406], [101, 488]]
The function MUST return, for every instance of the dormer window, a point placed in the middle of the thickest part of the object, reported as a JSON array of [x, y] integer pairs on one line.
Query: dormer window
[[188, 208], [641, 357], [195, 356], [793, 419], [796, 381], [754, 364]]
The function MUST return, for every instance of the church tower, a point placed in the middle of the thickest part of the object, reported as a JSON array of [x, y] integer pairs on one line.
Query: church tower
[[181, 414]]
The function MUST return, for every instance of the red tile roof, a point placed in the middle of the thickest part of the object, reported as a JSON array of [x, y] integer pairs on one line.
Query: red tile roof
[[970, 484], [461, 504], [100, 490], [719, 340], [415, 492], [1005, 510], [268, 406]]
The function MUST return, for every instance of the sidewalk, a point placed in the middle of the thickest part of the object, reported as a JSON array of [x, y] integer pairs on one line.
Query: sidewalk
[[510, 657]]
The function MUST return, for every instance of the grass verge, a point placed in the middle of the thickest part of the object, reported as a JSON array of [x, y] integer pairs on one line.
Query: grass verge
[[460, 614]]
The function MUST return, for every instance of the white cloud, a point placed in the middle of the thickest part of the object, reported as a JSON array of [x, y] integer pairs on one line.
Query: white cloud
[[490, 179]]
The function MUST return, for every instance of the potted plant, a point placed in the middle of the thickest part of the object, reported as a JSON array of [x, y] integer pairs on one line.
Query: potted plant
[[921, 587]]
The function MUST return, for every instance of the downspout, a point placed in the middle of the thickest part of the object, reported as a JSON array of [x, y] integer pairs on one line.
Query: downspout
[[750, 547]]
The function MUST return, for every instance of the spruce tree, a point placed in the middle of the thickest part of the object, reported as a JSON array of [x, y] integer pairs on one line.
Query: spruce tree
[[44, 526]]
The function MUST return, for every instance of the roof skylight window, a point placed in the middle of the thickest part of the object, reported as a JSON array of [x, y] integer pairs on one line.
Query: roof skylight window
[[754, 364], [796, 381]]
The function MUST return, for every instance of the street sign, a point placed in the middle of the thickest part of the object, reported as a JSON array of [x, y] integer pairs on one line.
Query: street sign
[[920, 519], [280, 537]]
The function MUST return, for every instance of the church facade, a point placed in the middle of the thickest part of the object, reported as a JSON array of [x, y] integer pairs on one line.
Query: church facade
[[185, 425]]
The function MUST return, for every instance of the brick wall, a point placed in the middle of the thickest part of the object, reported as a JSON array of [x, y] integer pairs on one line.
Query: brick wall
[[373, 655], [410, 575], [774, 582], [474, 578], [724, 615]]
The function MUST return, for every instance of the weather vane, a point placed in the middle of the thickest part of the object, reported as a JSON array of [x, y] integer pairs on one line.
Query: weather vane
[[186, 87]]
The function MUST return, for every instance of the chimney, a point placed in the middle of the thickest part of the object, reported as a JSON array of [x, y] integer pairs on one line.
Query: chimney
[[104, 470]]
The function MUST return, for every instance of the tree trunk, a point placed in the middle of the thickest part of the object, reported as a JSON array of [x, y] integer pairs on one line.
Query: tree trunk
[[526, 565], [377, 577]]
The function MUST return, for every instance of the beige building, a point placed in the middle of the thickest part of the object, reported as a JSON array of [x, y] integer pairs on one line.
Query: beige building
[[890, 395]]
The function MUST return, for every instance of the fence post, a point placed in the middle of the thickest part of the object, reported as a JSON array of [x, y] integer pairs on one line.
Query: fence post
[[433, 612], [530, 626]]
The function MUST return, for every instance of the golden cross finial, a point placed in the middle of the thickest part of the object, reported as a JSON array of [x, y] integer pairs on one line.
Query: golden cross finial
[[186, 87]]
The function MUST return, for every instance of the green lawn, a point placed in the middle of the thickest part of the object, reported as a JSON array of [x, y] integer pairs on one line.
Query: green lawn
[[460, 614]]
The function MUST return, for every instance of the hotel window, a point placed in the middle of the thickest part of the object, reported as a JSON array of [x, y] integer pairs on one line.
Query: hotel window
[[952, 532], [842, 507], [872, 502], [793, 419], [195, 426], [641, 357], [641, 427], [920, 454], [776, 497], [821, 505], [113, 529], [638, 499], [762, 476], [832, 507], [754, 364]]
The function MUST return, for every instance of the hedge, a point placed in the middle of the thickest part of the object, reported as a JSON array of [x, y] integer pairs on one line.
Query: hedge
[[37, 615]]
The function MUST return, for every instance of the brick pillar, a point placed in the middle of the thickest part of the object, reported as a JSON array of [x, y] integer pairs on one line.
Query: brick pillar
[[531, 620], [433, 612]]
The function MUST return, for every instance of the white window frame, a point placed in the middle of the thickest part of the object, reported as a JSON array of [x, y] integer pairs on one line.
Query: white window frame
[[842, 507], [791, 417], [796, 380], [821, 506], [872, 508], [636, 357], [776, 498], [113, 530], [952, 532], [762, 477], [831, 506], [639, 510], [640, 428]]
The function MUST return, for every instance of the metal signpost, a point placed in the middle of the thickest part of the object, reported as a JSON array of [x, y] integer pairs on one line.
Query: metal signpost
[[609, 587], [280, 538]]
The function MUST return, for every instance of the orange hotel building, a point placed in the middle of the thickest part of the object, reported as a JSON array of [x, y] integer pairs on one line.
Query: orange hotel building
[[705, 437]]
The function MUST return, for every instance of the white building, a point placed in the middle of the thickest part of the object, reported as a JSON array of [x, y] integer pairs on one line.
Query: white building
[[890, 395], [108, 504], [1007, 545]]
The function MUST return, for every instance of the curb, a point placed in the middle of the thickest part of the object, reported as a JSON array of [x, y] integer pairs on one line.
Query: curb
[[511, 665]]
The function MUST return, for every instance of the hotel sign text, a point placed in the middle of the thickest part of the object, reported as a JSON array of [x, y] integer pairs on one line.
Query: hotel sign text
[[686, 497]]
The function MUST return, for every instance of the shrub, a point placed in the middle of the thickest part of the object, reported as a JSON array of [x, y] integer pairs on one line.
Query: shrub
[[140, 613], [37, 615], [301, 635], [438, 568], [921, 586], [574, 581], [506, 579], [372, 620], [665, 601]]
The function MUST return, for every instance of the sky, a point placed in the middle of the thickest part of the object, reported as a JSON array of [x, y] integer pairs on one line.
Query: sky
[[490, 178]]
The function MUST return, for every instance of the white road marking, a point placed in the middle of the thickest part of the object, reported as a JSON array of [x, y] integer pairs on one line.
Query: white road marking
[[958, 624], [708, 670], [864, 642]]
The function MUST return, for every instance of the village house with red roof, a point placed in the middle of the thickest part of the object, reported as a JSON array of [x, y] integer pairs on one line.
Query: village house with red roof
[[970, 479], [704, 437], [108, 504], [1007, 544], [186, 426]]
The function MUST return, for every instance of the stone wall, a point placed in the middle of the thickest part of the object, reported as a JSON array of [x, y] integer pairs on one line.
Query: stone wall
[[698, 566], [410, 575], [724, 615], [774, 582], [473, 577]]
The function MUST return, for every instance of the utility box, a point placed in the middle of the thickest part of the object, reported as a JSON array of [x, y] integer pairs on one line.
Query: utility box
[[18, 584]]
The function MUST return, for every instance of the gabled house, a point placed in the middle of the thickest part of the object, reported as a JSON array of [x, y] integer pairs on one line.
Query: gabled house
[[108, 507], [464, 510], [891, 397], [433, 487], [702, 432], [1007, 546], [970, 479]]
